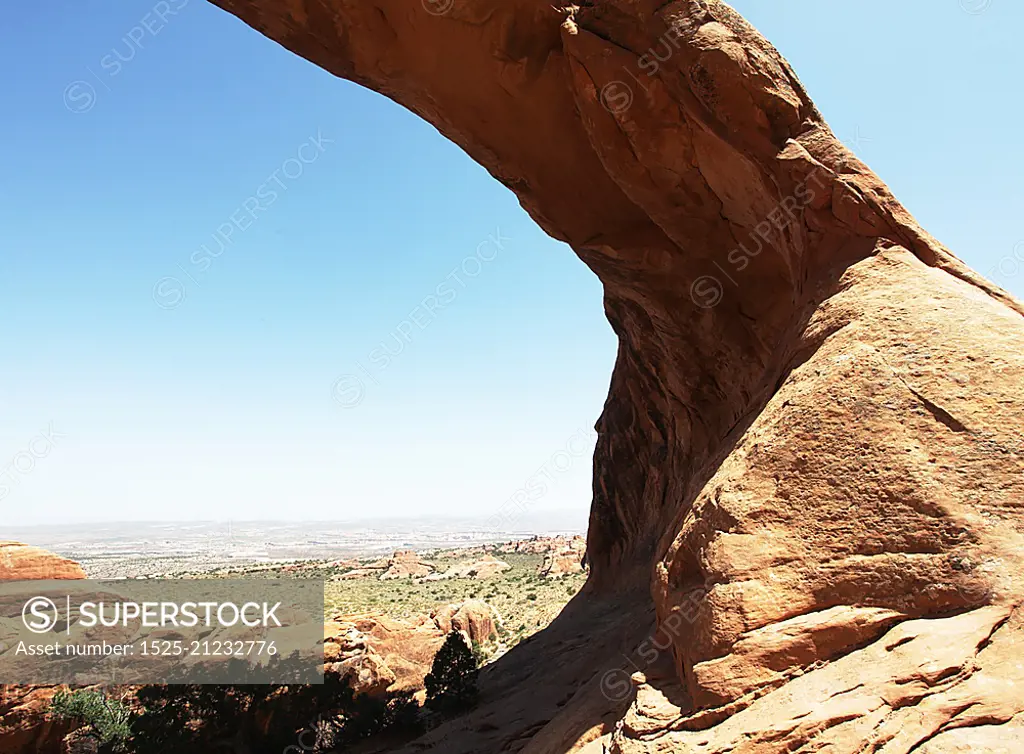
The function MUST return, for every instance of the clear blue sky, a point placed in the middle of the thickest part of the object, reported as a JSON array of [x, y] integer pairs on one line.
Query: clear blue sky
[[183, 386]]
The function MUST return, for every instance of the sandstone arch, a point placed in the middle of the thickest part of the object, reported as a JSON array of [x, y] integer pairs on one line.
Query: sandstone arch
[[809, 464]]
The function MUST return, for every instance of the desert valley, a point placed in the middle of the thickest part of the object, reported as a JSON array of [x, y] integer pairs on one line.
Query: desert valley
[[387, 617]]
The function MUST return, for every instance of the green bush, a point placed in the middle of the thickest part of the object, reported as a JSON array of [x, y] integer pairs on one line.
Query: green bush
[[451, 683], [481, 653], [109, 721]]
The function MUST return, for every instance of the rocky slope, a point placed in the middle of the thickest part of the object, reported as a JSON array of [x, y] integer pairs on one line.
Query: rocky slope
[[809, 465]]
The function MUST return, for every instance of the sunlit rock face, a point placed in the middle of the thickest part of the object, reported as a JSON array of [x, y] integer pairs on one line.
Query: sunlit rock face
[[21, 562], [809, 466]]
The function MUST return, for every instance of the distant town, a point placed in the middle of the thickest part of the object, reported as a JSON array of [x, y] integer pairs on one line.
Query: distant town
[[153, 549]]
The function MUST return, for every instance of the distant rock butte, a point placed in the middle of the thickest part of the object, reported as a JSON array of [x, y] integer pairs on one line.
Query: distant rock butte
[[24, 562], [486, 567], [544, 545], [479, 562], [407, 564], [564, 562]]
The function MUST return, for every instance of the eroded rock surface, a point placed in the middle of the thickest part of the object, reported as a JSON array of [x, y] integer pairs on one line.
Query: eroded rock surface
[[477, 620], [24, 726], [565, 560], [810, 457], [379, 654], [24, 562]]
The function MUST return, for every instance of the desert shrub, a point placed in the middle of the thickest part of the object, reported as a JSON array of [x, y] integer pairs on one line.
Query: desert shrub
[[481, 653], [259, 718], [266, 719], [451, 683], [108, 721]]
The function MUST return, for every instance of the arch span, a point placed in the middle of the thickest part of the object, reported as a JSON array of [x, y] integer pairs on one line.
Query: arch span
[[813, 428]]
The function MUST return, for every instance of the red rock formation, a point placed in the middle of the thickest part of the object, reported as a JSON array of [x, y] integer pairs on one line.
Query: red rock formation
[[561, 563], [544, 545], [566, 558], [379, 654], [811, 447], [24, 562], [405, 647], [347, 652], [474, 618], [24, 728]]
